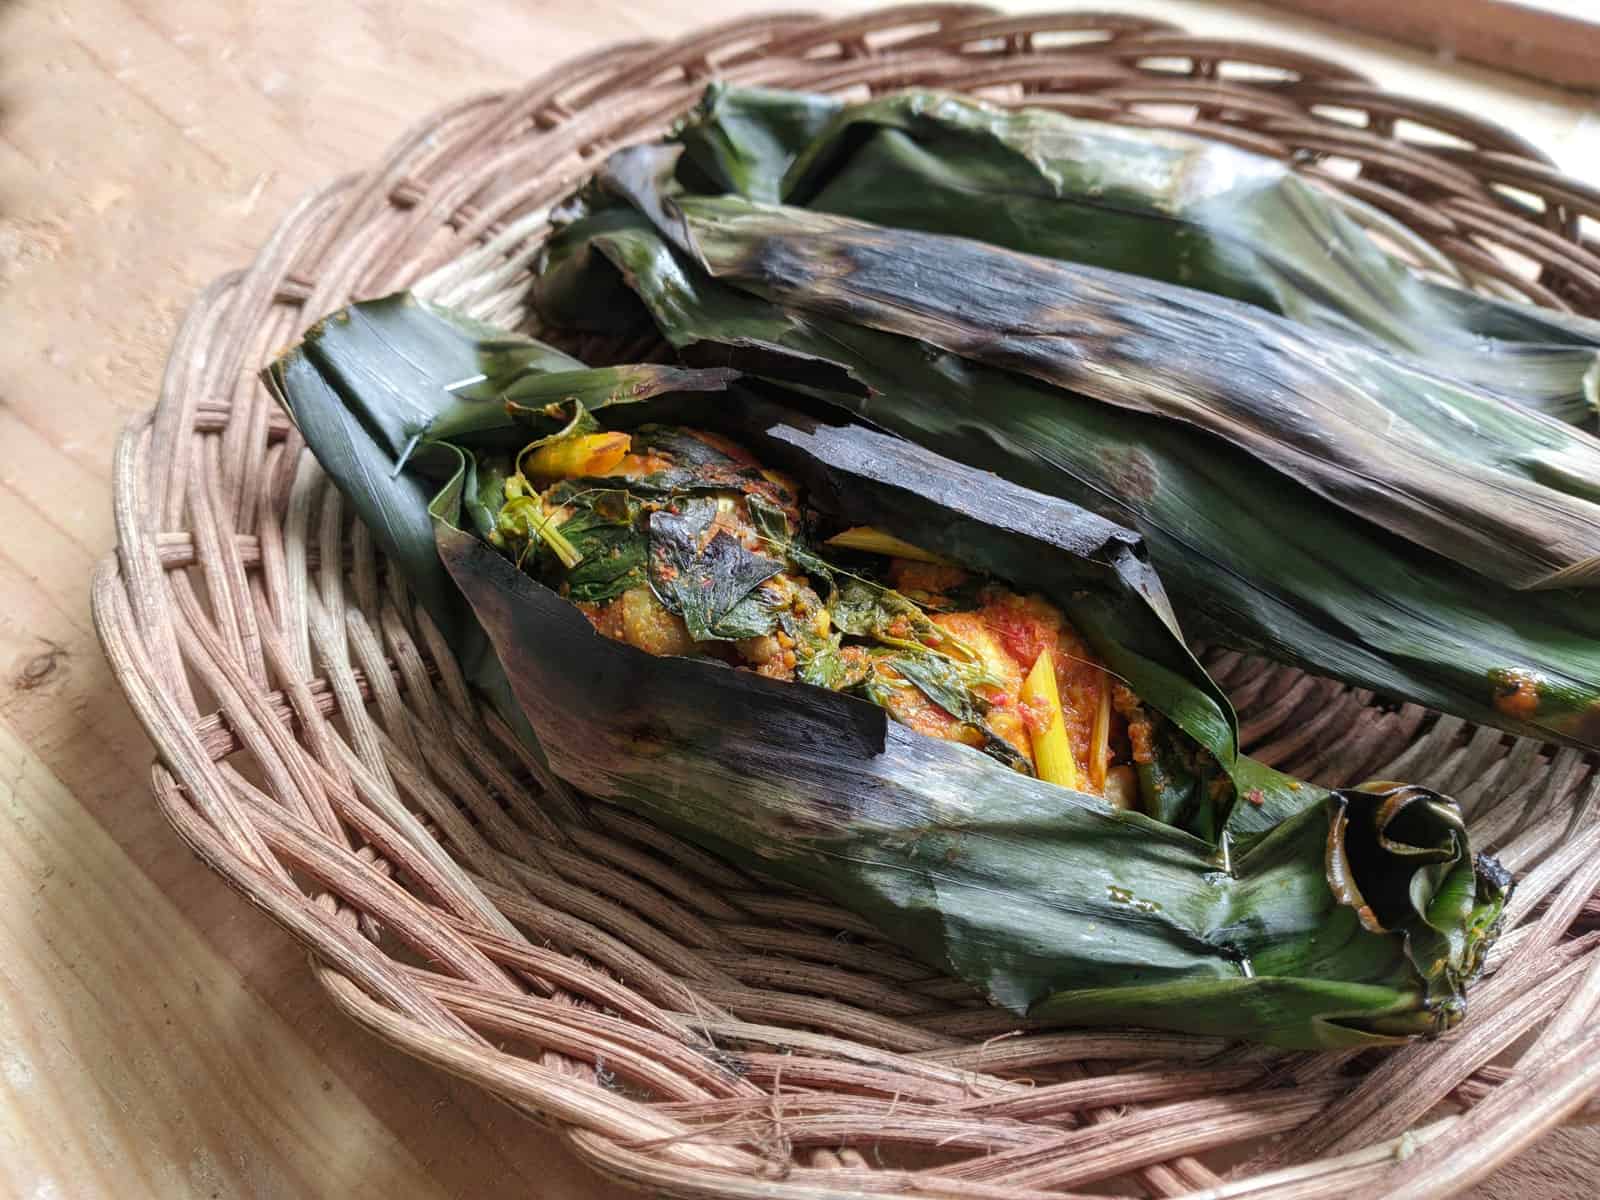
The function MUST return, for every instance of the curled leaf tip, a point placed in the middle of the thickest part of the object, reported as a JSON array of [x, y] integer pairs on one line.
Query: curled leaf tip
[[1398, 855]]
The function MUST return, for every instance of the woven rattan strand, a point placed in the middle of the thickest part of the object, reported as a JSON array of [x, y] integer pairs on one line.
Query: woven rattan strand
[[690, 1029]]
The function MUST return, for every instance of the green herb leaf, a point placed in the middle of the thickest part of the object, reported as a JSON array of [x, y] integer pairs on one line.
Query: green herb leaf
[[864, 609], [712, 582], [942, 681], [771, 522], [950, 685], [824, 666], [606, 529]]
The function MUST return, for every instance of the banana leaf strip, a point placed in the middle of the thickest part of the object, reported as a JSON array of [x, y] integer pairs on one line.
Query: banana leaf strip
[[1157, 203], [1253, 559]]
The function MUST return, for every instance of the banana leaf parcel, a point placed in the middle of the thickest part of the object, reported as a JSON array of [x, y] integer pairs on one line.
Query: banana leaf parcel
[[1157, 203], [1281, 912], [1366, 549]]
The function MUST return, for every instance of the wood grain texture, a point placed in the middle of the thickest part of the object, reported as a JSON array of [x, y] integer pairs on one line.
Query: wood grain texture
[[147, 146], [90, 1087], [1533, 40]]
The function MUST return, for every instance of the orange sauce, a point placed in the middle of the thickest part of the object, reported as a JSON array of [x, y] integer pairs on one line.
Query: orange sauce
[[1027, 625], [1517, 695], [1006, 717], [916, 712], [932, 578]]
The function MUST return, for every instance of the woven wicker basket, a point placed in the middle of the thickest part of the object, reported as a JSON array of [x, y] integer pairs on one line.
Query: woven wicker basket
[[691, 1029]]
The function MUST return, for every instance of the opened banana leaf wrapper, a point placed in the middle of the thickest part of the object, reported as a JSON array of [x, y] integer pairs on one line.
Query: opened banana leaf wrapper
[[958, 707]]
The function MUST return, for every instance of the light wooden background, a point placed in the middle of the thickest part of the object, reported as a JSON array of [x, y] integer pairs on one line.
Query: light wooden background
[[158, 1038]]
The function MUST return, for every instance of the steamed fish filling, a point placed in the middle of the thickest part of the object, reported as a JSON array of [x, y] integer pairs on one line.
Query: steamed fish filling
[[686, 545]]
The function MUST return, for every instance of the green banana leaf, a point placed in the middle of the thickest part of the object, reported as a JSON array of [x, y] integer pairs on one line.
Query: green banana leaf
[[1015, 885], [366, 384], [363, 410], [1156, 203], [1515, 499], [1359, 917], [1253, 559]]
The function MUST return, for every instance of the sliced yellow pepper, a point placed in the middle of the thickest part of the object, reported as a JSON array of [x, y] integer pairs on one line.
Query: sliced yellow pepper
[[572, 457], [874, 541], [1052, 753], [1100, 748]]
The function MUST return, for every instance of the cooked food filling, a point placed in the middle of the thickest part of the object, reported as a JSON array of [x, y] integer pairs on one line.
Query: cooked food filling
[[678, 542]]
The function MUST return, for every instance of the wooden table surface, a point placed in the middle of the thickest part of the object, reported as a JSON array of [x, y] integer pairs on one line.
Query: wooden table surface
[[157, 1037]]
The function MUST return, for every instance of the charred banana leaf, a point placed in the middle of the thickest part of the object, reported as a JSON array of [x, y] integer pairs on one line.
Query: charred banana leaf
[[1254, 557], [1162, 204], [1518, 501], [1360, 916]]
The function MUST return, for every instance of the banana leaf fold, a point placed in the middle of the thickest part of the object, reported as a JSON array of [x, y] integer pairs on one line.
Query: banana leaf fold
[[1292, 486], [1281, 912], [367, 384]]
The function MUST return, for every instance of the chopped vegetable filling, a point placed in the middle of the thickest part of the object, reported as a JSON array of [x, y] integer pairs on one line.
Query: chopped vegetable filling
[[684, 545]]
